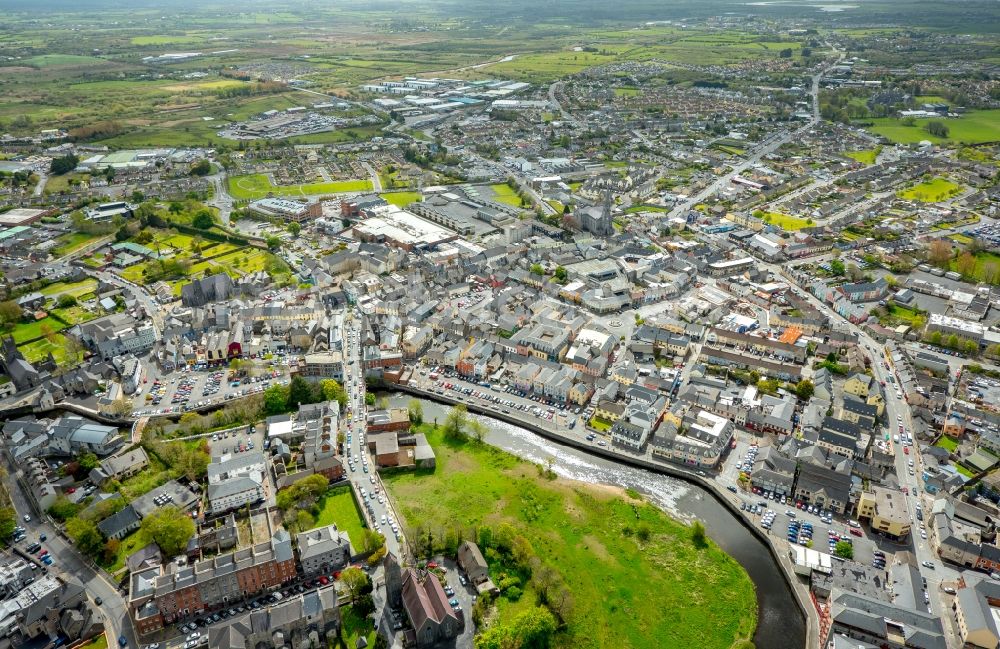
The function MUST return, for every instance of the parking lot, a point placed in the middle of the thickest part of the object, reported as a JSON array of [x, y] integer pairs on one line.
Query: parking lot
[[189, 389]]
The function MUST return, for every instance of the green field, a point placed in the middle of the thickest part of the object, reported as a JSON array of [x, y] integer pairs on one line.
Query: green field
[[166, 39], [866, 157], [627, 92], [986, 265], [947, 443], [26, 331], [72, 242], [502, 193], [256, 186], [590, 536], [39, 350], [337, 506], [401, 199], [974, 127], [76, 289], [785, 221], [930, 191], [62, 60]]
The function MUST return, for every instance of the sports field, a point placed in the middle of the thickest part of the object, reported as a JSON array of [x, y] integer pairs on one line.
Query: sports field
[[401, 199], [974, 127], [502, 193], [256, 186]]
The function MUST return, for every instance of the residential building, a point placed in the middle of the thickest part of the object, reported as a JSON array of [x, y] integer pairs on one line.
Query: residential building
[[885, 511], [323, 550], [309, 619]]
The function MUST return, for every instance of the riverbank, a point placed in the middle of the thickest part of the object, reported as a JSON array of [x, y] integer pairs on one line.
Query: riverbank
[[610, 563], [799, 598]]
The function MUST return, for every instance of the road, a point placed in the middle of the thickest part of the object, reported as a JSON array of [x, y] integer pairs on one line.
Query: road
[[362, 474], [67, 561], [143, 296], [566, 116], [376, 181]]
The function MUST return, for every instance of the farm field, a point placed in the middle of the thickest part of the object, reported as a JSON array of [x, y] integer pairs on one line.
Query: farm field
[[930, 191], [502, 193], [255, 186], [974, 127], [785, 221], [587, 535], [338, 506]]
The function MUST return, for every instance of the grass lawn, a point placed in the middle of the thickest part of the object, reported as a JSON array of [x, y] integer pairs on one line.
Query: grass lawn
[[985, 263], [646, 208], [134, 541], [353, 626], [97, 642], [947, 443], [864, 157], [599, 424], [141, 483], [964, 471], [901, 313], [72, 242], [39, 350], [502, 193], [621, 585], [256, 186], [785, 221], [76, 289], [930, 191], [963, 239], [627, 92], [338, 506], [974, 127], [26, 331], [401, 199]]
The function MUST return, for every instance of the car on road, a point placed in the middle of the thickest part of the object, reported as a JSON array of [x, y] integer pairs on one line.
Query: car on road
[[122, 642], [98, 601], [27, 519], [927, 564]]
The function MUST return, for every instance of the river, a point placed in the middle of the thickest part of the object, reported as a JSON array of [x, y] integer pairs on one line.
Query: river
[[780, 623]]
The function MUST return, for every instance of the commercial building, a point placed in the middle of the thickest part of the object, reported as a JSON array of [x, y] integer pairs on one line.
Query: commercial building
[[948, 326], [700, 439], [885, 511], [106, 212], [285, 210], [399, 228]]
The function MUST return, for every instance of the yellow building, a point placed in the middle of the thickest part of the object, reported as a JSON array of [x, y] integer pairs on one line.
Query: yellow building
[[876, 399], [859, 385], [885, 511]]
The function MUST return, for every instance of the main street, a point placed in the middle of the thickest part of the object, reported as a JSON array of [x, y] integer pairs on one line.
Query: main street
[[933, 570], [364, 478], [66, 560]]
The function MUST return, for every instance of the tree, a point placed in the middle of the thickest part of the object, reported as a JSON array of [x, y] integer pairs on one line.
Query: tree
[[935, 337], [939, 253], [299, 392], [275, 400], [294, 228], [416, 410], [531, 629], [698, 536], [371, 540], [63, 165], [303, 494], [370, 399], [201, 168], [966, 264], [560, 274], [63, 509], [937, 129], [478, 430], [355, 580], [844, 549], [273, 242], [333, 391], [456, 422], [88, 462], [66, 301], [110, 550], [85, 535], [536, 269], [8, 521], [804, 389], [169, 528], [951, 342], [203, 220], [837, 267], [10, 312]]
